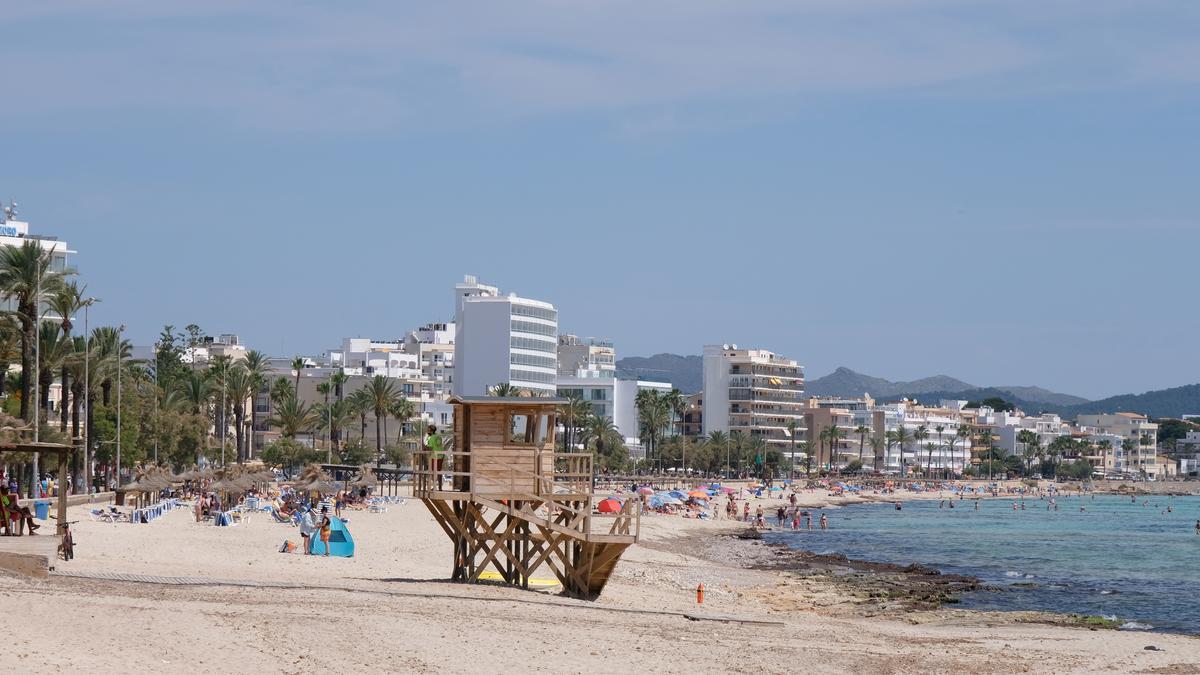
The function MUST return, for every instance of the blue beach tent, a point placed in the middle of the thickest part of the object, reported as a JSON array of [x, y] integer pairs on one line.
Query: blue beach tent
[[341, 544]]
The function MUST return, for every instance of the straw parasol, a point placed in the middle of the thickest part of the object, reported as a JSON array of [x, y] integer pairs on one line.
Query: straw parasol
[[366, 477]]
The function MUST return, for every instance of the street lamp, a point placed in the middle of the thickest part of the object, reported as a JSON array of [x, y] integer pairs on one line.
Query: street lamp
[[120, 330], [87, 397]]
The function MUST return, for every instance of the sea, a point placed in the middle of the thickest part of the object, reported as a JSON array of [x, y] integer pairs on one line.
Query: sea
[[1130, 561]]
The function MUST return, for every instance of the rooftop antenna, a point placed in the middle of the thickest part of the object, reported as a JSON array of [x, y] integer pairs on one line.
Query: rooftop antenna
[[8, 212]]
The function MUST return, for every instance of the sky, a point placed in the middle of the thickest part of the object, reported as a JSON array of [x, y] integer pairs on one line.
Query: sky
[[1001, 191]]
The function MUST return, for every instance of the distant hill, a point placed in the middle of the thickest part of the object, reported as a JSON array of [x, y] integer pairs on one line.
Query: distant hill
[[846, 382], [684, 372], [1040, 395], [687, 373], [1173, 402]]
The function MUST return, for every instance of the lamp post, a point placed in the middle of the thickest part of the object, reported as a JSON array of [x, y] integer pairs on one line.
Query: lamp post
[[224, 422], [87, 398], [120, 331]]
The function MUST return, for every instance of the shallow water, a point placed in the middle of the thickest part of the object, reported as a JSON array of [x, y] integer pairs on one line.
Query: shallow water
[[1116, 558]]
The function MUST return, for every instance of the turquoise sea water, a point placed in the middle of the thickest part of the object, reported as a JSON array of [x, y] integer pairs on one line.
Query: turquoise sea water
[[1116, 558]]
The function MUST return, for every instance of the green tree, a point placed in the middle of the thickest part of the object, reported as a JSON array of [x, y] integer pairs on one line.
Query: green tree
[[504, 390], [719, 442], [878, 445], [26, 279], [292, 418], [903, 437], [383, 395], [258, 367], [239, 387]]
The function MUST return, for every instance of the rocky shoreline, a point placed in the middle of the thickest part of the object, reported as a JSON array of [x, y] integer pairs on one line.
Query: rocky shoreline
[[840, 586]]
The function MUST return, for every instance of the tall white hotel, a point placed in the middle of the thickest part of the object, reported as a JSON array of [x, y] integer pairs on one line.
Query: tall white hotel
[[502, 339]]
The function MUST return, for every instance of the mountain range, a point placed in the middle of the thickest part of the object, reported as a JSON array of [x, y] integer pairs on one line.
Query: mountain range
[[686, 373]]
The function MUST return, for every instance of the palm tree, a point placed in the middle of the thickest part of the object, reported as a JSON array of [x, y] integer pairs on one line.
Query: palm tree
[[326, 388], [573, 414], [986, 440], [197, 392], [599, 430], [504, 390], [65, 303], [677, 404], [1128, 445], [862, 430], [10, 345], [1027, 438], [1105, 447], [920, 434], [964, 432], [793, 427], [939, 429], [382, 392], [903, 437], [361, 404], [239, 386], [877, 447], [292, 417], [281, 390], [890, 440], [336, 417], [257, 366], [834, 434], [737, 441], [719, 441], [297, 367], [53, 353], [26, 279], [402, 410]]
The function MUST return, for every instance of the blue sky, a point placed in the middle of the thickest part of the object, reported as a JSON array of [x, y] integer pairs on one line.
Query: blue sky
[[1000, 191]]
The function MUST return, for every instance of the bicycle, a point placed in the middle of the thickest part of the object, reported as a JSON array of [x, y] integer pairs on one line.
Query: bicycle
[[66, 550]]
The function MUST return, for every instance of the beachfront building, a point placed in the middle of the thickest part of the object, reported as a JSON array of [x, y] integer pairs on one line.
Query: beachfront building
[[692, 423], [365, 356], [14, 233], [1187, 453], [614, 397], [503, 339], [753, 391], [586, 357], [1137, 456]]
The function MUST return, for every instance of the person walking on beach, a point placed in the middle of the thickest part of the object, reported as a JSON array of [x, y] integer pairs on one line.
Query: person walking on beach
[[824, 522], [746, 511], [437, 452], [307, 527]]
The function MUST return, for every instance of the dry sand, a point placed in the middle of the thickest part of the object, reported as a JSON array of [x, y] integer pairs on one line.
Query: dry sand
[[390, 610]]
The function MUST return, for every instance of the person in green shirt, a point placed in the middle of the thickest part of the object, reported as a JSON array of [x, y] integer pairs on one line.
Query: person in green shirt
[[437, 452]]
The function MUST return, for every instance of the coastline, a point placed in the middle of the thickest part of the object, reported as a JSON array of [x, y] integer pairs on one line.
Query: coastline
[[247, 608]]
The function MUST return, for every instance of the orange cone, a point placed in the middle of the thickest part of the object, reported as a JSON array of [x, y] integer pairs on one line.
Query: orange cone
[[700, 594]]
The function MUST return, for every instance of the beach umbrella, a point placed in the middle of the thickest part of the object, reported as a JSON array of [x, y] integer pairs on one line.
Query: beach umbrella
[[698, 494], [609, 505], [728, 490], [645, 491], [677, 494]]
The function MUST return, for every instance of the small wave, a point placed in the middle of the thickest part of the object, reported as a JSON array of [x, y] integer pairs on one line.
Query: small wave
[[1134, 625], [1109, 617], [1014, 575], [1109, 591]]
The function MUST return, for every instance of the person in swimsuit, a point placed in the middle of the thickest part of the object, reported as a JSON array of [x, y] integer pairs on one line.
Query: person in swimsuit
[[326, 529]]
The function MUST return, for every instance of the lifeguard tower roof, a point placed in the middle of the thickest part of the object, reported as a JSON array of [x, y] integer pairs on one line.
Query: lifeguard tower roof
[[509, 400]]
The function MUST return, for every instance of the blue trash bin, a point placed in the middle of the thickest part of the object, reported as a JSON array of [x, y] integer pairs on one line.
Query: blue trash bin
[[41, 509]]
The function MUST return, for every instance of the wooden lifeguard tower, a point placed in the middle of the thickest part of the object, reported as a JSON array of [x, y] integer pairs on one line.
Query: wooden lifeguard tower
[[514, 503]]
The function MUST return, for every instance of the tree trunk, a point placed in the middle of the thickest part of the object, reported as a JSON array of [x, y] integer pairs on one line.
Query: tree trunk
[[27, 339], [62, 403], [239, 418], [106, 391]]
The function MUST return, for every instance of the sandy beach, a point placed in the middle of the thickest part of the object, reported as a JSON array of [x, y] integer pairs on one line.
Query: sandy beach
[[202, 597]]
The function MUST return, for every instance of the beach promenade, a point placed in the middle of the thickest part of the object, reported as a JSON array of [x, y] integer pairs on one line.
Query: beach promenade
[[174, 595]]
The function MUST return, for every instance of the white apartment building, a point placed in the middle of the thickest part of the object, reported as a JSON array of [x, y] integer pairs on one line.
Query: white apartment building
[[613, 397], [15, 232], [1138, 428], [503, 339], [364, 356], [586, 357], [753, 391]]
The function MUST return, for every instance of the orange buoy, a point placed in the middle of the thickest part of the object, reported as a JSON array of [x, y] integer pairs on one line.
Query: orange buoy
[[700, 594]]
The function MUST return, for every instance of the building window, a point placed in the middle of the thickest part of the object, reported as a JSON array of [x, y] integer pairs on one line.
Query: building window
[[535, 328], [535, 312], [533, 344]]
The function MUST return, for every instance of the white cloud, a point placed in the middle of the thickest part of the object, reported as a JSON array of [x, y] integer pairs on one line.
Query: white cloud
[[318, 66]]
